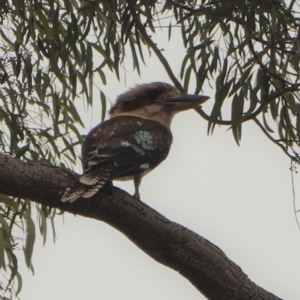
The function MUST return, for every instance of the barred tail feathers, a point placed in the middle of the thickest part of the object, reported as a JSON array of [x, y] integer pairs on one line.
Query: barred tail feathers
[[88, 185], [72, 194]]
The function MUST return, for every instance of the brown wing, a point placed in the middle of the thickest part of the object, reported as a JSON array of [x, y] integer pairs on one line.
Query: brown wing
[[120, 147]]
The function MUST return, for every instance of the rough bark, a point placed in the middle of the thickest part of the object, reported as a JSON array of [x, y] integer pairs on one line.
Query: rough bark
[[201, 262]]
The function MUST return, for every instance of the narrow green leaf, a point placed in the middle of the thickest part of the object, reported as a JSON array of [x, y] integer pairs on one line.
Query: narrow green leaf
[[13, 265], [88, 60], [126, 28], [104, 54], [2, 250], [265, 92], [5, 226], [187, 78], [221, 78], [73, 111], [19, 284], [169, 31], [69, 147], [76, 132], [201, 77], [42, 225], [102, 76], [274, 106], [38, 86], [214, 63], [222, 93], [220, 96], [53, 229], [298, 127], [103, 104], [240, 81], [135, 59], [90, 95], [253, 101], [268, 128], [74, 25], [183, 64], [237, 115], [138, 42], [116, 63], [295, 107], [30, 239]]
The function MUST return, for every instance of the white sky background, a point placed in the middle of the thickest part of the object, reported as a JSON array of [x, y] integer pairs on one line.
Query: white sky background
[[239, 198]]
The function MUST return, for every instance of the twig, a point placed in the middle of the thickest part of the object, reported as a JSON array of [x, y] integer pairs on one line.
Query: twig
[[294, 196], [153, 46], [273, 140]]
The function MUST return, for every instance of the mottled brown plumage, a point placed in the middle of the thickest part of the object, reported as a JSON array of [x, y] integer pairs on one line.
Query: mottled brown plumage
[[136, 138]]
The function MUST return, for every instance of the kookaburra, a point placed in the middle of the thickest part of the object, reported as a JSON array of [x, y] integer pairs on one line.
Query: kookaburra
[[135, 139]]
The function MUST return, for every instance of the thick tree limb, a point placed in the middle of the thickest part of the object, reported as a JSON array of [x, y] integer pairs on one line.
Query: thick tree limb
[[195, 258]]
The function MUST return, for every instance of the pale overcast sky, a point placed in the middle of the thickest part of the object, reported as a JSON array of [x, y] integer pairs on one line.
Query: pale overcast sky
[[239, 198]]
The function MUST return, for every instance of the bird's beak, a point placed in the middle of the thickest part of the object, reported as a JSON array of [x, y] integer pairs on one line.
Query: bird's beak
[[184, 102]]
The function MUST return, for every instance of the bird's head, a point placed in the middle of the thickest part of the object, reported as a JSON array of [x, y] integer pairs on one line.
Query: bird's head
[[156, 101]]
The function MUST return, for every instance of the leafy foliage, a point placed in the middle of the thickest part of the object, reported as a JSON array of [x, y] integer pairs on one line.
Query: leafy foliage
[[250, 49], [247, 50]]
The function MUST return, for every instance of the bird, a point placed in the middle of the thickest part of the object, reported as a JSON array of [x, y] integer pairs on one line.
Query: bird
[[133, 141]]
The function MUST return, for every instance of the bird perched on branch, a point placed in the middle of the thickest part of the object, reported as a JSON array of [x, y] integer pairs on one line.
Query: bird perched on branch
[[135, 139]]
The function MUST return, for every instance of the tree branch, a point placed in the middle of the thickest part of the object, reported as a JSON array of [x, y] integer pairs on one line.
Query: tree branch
[[274, 141], [194, 257], [252, 116]]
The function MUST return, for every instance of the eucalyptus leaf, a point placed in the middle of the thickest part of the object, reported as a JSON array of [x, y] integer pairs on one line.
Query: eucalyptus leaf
[[2, 250], [29, 241]]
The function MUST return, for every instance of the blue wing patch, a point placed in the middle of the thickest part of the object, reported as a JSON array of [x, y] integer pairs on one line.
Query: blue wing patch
[[145, 139]]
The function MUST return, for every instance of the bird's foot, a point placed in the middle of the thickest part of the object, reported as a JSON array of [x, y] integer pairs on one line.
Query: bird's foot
[[136, 195]]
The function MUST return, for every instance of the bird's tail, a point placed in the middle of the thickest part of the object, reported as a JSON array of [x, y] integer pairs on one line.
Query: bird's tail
[[90, 182]]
